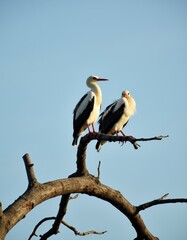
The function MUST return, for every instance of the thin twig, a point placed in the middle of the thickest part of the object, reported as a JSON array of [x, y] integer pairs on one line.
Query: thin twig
[[98, 170], [83, 233], [158, 201], [38, 225], [74, 197], [164, 196], [65, 224]]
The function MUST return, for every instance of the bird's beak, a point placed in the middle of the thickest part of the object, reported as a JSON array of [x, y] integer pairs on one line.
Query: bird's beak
[[102, 79]]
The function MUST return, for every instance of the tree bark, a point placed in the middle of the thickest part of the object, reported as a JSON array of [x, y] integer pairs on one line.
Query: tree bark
[[79, 182], [86, 184]]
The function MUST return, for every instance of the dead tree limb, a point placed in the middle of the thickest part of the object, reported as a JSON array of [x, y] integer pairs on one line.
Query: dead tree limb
[[82, 233], [160, 201], [112, 138], [61, 212], [86, 184], [38, 225], [30, 171], [76, 232], [79, 182], [84, 141]]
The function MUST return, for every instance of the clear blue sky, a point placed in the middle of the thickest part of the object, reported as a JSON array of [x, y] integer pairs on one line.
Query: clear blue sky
[[47, 50]]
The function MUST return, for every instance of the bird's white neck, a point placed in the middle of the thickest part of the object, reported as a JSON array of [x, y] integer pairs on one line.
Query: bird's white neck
[[96, 89]]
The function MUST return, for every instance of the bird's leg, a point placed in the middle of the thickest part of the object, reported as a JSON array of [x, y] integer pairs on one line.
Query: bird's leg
[[94, 132], [122, 133], [124, 136], [117, 135], [91, 132]]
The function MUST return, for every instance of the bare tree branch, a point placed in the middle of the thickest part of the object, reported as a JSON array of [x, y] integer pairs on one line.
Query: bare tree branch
[[82, 233], [38, 225], [84, 141], [112, 138], [81, 160], [98, 170], [30, 171], [61, 213], [86, 184], [159, 201], [79, 182], [65, 224]]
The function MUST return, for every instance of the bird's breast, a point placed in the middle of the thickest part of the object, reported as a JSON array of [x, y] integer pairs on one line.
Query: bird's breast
[[94, 114]]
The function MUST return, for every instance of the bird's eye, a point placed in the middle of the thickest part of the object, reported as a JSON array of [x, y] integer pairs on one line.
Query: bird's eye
[[94, 78]]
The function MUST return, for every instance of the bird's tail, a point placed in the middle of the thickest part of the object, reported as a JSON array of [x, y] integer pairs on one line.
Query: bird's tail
[[74, 143]]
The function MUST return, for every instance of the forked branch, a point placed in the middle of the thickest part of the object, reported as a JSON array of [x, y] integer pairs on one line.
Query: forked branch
[[76, 232], [84, 141], [61, 213], [79, 182]]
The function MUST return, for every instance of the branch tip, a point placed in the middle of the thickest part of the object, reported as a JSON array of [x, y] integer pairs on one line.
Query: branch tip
[[77, 233], [159, 201], [30, 170], [74, 197], [164, 196]]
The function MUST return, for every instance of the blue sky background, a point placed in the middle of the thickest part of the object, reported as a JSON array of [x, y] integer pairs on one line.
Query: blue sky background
[[47, 51]]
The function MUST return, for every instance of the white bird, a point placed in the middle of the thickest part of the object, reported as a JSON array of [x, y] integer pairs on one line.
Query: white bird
[[87, 109], [114, 118]]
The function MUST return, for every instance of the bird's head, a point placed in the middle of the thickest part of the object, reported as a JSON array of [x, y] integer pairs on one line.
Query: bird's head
[[93, 79], [126, 94]]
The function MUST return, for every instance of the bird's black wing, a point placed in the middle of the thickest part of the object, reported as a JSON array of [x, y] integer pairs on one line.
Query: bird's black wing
[[107, 120], [81, 119], [79, 103]]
